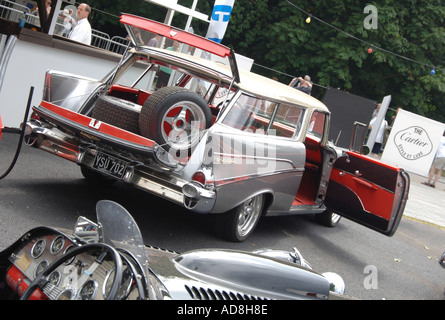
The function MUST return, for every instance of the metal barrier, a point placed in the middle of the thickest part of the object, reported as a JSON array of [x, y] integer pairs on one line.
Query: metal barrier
[[100, 39], [13, 11], [118, 44]]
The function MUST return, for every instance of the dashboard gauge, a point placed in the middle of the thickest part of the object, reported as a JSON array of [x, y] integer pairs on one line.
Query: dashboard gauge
[[89, 290], [54, 278], [67, 262], [38, 248], [57, 244], [40, 267], [67, 294], [124, 289]]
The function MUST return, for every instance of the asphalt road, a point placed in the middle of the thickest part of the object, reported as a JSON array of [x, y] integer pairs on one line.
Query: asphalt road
[[45, 190]]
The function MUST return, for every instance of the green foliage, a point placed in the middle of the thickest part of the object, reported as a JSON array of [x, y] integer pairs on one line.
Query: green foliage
[[275, 35], [105, 13]]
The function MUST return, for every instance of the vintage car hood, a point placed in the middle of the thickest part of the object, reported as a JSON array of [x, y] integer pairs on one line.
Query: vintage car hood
[[222, 274]]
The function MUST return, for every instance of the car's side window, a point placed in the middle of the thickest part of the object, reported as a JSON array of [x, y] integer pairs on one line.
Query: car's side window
[[316, 124], [287, 120], [135, 76], [251, 114]]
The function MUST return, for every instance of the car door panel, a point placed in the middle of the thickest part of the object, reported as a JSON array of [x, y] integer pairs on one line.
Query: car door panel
[[368, 192], [245, 163]]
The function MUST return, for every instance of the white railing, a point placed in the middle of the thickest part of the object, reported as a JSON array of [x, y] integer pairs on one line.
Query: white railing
[[100, 39], [13, 11], [118, 44]]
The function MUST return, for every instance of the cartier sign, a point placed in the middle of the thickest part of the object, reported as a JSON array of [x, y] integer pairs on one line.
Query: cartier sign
[[413, 143]]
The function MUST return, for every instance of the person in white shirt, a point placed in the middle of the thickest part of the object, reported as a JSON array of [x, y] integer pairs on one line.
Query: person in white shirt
[[438, 165], [82, 31], [68, 22]]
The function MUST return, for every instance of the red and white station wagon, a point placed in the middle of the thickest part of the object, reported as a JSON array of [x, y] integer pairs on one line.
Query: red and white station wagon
[[192, 128]]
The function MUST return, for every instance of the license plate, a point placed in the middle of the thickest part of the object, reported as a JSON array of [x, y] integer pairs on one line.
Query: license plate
[[110, 165]]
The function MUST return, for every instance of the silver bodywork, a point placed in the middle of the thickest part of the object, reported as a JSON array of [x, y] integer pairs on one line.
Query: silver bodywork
[[240, 166], [69, 91], [212, 138], [222, 274], [152, 273]]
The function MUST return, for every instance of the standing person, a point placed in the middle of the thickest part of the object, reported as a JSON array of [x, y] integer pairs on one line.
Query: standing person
[[438, 164], [304, 85], [68, 22], [82, 31], [154, 41], [48, 4], [48, 7], [374, 113]]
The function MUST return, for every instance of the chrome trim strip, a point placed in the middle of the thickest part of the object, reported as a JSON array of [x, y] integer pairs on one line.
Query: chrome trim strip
[[156, 188], [243, 156], [229, 180]]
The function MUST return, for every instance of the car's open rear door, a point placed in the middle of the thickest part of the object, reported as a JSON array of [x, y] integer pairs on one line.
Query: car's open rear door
[[182, 36], [368, 192]]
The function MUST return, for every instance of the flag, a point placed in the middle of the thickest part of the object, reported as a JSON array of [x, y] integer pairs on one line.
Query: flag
[[219, 19]]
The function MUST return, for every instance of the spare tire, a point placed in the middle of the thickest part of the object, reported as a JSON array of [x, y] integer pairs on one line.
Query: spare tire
[[175, 117], [118, 112]]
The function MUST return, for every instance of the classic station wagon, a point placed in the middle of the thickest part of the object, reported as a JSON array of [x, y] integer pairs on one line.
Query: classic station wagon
[[190, 128]]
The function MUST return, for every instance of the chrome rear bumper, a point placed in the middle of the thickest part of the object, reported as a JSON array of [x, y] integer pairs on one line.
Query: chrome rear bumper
[[164, 184]]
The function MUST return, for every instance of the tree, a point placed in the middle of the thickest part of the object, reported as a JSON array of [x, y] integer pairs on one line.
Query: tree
[[276, 35]]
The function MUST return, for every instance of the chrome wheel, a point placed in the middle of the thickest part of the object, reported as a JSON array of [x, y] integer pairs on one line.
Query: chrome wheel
[[237, 224], [174, 117], [249, 214], [181, 124]]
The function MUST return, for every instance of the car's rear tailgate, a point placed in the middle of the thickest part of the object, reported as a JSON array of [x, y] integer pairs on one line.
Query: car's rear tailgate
[[88, 128]]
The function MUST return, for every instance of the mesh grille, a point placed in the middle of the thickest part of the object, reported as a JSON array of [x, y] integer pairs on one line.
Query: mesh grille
[[210, 294]]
